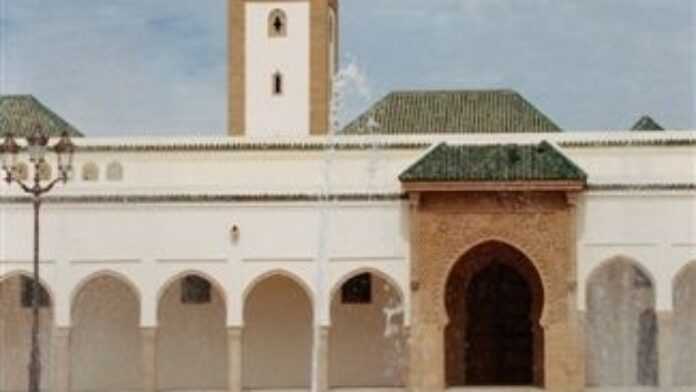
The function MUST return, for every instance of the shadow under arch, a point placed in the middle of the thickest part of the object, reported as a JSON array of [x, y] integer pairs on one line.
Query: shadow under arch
[[368, 270], [376, 354], [620, 259], [494, 302], [25, 274], [105, 333], [192, 328], [621, 324], [683, 272], [544, 282], [215, 284], [260, 279], [117, 276], [16, 320], [684, 326], [278, 315]]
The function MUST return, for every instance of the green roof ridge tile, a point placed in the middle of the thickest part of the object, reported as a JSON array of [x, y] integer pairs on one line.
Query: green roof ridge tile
[[646, 123], [19, 113], [493, 162], [452, 111]]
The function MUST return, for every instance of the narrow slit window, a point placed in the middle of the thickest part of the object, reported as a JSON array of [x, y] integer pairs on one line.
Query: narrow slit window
[[277, 24], [277, 84]]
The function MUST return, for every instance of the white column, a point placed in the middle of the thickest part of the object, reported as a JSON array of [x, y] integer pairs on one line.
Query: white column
[[61, 359], [3, 377], [149, 347], [322, 359], [664, 349], [234, 359]]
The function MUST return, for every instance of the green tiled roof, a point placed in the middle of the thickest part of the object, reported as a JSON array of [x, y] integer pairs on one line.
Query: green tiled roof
[[498, 162], [20, 114], [456, 111], [646, 123]]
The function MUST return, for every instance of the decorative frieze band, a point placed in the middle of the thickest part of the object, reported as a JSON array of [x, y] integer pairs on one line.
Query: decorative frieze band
[[209, 198], [297, 197], [686, 186], [279, 146], [681, 142]]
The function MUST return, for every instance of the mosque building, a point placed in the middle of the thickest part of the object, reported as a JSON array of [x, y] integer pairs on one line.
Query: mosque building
[[452, 240]]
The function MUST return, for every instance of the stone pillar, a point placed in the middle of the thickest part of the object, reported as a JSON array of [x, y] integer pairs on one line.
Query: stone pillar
[[664, 349], [234, 359], [61, 360], [564, 370], [427, 362], [583, 349], [149, 345], [3, 387], [322, 352]]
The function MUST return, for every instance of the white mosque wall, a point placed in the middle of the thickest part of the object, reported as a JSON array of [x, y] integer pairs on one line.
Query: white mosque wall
[[151, 244], [284, 165], [656, 230], [139, 250]]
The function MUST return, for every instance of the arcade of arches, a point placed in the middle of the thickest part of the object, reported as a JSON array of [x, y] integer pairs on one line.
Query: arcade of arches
[[192, 349], [492, 280]]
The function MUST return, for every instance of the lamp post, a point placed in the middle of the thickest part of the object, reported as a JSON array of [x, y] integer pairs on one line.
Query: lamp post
[[37, 146]]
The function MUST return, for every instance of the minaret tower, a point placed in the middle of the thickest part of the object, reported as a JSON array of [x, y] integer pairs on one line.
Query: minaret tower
[[282, 59]]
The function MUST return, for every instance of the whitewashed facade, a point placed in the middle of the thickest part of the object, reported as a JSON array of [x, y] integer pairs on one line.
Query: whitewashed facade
[[241, 212]]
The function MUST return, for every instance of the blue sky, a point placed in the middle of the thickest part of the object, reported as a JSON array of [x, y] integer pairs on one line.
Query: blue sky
[[158, 67]]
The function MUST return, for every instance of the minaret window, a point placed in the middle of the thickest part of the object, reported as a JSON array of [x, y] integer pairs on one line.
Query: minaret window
[[277, 24], [277, 83]]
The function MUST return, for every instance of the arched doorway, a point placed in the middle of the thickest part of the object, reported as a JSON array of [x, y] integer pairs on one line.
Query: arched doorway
[[621, 326], [277, 339], [192, 337], [367, 340], [494, 299], [105, 336], [684, 332], [16, 300]]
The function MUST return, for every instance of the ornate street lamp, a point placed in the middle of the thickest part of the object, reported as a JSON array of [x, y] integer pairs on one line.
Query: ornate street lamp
[[37, 147]]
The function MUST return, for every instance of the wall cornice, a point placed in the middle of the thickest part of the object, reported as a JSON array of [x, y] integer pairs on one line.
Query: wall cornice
[[617, 187], [221, 147], [191, 198], [677, 142], [210, 198]]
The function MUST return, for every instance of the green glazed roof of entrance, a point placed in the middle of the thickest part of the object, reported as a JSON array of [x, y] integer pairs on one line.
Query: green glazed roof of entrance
[[498, 162]]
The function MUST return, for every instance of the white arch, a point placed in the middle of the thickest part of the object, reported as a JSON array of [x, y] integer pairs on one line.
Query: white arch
[[182, 274], [85, 281], [585, 276], [260, 278], [620, 258], [683, 271]]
